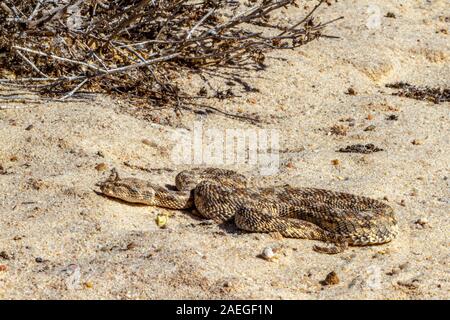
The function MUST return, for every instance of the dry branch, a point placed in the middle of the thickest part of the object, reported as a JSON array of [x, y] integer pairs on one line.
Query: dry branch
[[141, 47]]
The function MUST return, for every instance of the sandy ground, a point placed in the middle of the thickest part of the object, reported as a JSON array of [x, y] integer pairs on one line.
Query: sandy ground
[[60, 240]]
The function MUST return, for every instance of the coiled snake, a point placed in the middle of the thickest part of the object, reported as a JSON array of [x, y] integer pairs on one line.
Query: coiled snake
[[308, 213]]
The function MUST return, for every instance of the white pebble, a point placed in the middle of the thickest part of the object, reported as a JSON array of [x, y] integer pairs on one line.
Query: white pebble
[[268, 253]]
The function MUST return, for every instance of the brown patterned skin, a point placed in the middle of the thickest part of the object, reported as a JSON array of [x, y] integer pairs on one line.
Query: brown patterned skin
[[317, 214]]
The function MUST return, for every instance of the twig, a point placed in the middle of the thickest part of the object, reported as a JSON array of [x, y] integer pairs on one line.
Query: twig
[[142, 64], [28, 105], [71, 93], [60, 58], [35, 11], [200, 22], [32, 64], [304, 19], [55, 13], [64, 78], [6, 9]]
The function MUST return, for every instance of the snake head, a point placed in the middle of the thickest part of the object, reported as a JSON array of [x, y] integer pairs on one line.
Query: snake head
[[128, 189]]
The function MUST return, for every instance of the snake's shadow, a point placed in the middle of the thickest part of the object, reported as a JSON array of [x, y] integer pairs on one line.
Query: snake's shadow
[[230, 227], [227, 226]]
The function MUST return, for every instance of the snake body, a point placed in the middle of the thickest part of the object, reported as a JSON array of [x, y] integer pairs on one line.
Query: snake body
[[308, 213]]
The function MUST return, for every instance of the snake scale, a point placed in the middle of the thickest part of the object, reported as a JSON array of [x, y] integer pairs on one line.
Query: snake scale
[[338, 218]]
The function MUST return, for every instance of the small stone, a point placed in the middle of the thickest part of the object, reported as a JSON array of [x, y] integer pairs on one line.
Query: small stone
[[417, 142], [422, 222], [88, 285], [3, 267], [357, 282], [101, 167], [161, 220], [339, 130], [268, 254], [149, 143], [370, 128], [409, 284], [29, 127], [392, 117], [351, 91], [370, 117], [330, 279], [390, 15], [393, 272], [39, 260], [404, 266], [290, 165], [335, 162], [4, 255], [13, 158], [131, 246]]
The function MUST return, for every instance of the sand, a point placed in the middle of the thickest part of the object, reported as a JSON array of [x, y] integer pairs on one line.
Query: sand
[[61, 240]]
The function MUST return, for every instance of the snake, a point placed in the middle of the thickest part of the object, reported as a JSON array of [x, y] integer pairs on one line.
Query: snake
[[337, 218]]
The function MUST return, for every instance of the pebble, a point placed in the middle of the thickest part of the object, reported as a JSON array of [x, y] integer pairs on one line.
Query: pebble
[[4, 255], [268, 254], [370, 128], [357, 282], [335, 162], [101, 167], [161, 221], [290, 165], [417, 142], [411, 284], [149, 143], [394, 271], [404, 266], [351, 91], [331, 279], [338, 130], [3, 267], [392, 117], [390, 15], [422, 222]]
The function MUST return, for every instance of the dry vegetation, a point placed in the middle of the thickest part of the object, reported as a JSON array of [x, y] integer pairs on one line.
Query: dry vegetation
[[140, 47]]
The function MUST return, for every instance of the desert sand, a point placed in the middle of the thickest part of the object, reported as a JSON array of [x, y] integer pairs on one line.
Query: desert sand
[[61, 240]]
